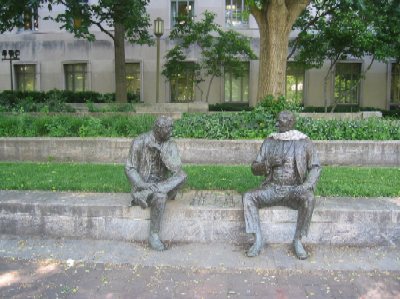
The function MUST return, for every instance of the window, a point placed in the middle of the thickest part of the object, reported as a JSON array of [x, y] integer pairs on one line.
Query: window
[[25, 76], [181, 10], [133, 80], [236, 84], [295, 81], [75, 76], [182, 86], [236, 13], [347, 83], [395, 84], [30, 19]]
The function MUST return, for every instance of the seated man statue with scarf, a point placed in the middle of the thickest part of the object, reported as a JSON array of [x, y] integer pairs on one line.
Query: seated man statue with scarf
[[291, 167]]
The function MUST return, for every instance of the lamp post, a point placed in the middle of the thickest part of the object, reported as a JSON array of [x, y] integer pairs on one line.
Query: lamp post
[[158, 32], [12, 55]]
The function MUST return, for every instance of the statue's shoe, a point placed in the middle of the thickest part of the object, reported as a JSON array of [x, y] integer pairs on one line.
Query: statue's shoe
[[299, 250], [254, 250], [155, 242]]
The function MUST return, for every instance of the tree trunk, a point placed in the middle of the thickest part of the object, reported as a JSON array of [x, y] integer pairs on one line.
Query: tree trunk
[[119, 60], [275, 21]]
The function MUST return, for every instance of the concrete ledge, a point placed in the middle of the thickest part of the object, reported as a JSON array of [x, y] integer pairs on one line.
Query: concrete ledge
[[200, 151], [343, 116], [202, 216], [172, 107]]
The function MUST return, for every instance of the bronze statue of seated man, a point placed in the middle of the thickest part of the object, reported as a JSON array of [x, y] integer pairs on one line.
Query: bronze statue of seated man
[[291, 168], [154, 170]]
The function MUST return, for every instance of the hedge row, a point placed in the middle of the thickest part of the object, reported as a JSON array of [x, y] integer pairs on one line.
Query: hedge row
[[241, 125], [23, 125], [53, 101]]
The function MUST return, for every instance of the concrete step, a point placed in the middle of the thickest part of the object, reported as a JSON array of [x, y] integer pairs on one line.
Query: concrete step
[[194, 216]]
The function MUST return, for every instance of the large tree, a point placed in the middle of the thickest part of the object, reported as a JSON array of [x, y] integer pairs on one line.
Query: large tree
[[118, 19], [275, 19]]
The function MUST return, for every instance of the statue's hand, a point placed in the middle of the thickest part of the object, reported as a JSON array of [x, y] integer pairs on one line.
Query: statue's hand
[[154, 188], [155, 146], [144, 186], [275, 162]]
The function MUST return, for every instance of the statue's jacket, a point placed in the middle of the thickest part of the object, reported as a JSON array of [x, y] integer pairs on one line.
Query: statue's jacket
[[306, 160], [141, 160]]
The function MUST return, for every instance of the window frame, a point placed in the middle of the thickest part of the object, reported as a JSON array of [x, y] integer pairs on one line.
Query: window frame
[[359, 88], [173, 80], [243, 10], [173, 19], [35, 75], [33, 20], [140, 76], [231, 78], [86, 84], [296, 73]]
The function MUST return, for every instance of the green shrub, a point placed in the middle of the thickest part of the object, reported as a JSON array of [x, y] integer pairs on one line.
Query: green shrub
[[53, 100], [275, 105], [23, 125]]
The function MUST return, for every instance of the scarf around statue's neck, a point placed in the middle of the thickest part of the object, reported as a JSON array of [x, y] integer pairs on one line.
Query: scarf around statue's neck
[[288, 135]]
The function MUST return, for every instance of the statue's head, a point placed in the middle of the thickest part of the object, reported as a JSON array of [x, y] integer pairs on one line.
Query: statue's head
[[285, 122], [163, 128]]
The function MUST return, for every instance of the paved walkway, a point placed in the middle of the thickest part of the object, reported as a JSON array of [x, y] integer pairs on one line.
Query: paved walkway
[[45, 268]]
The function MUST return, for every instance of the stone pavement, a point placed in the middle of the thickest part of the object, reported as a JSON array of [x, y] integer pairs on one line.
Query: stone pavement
[[66, 268]]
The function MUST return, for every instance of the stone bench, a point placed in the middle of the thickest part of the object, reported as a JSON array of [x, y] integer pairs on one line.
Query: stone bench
[[195, 216]]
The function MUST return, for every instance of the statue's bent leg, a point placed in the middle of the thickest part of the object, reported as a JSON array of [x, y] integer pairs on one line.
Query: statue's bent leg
[[306, 203], [157, 207], [252, 221]]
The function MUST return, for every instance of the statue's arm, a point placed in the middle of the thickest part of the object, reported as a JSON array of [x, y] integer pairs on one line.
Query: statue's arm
[[313, 167], [260, 166], [175, 181], [131, 165], [171, 159]]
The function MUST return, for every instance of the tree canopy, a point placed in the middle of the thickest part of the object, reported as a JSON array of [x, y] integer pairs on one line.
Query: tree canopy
[[219, 50]]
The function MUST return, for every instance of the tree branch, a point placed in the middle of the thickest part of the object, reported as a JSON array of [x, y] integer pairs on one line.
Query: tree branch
[[102, 29], [309, 24]]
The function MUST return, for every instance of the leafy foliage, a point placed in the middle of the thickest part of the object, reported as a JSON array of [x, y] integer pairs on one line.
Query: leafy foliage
[[23, 125], [219, 49], [54, 100]]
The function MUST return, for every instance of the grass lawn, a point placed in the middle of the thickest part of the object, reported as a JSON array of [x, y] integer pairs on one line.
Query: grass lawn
[[334, 181]]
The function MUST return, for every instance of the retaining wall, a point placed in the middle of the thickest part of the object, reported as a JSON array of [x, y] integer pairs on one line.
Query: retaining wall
[[201, 151], [202, 216]]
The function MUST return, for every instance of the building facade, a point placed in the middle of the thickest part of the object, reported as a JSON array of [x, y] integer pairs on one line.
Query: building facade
[[51, 58]]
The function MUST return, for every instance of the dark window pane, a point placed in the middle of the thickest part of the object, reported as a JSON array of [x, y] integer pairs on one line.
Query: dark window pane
[[133, 79], [295, 81], [75, 76], [236, 84], [25, 77], [182, 86], [347, 83]]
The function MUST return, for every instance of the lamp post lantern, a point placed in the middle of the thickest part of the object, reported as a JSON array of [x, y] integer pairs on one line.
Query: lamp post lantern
[[12, 55], [158, 32]]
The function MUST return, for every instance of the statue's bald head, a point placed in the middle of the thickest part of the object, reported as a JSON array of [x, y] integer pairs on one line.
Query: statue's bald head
[[163, 128], [286, 121]]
